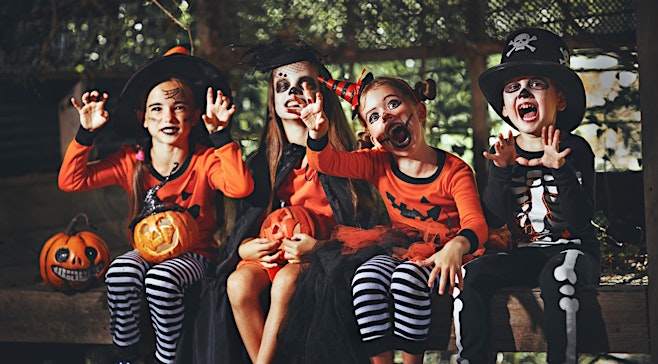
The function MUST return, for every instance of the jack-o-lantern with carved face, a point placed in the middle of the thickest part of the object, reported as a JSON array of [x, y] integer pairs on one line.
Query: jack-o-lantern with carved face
[[287, 221], [165, 235], [163, 231], [74, 260]]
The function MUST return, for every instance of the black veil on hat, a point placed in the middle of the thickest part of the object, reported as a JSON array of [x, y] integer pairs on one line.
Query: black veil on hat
[[536, 52], [268, 57], [196, 72]]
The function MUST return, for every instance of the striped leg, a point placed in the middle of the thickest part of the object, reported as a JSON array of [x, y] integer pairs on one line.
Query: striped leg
[[125, 288], [165, 286], [370, 291], [411, 297]]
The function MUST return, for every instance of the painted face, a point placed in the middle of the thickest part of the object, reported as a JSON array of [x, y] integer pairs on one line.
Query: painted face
[[394, 122], [170, 112], [287, 81], [532, 103]]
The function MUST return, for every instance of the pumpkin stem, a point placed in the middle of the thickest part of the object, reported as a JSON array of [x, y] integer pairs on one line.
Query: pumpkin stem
[[70, 230]]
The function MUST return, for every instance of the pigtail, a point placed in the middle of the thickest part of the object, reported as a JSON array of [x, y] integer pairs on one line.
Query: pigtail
[[137, 194], [425, 90]]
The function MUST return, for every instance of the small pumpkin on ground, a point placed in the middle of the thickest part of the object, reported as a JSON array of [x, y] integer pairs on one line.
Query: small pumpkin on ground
[[74, 260]]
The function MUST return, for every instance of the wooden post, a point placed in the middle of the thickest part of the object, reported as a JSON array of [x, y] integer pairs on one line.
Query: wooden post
[[648, 53], [476, 62]]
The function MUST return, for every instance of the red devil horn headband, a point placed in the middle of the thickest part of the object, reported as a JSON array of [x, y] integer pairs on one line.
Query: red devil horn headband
[[349, 91]]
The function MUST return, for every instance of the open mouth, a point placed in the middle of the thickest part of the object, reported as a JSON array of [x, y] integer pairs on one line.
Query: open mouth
[[398, 134], [170, 130], [527, 112], [292, 104]]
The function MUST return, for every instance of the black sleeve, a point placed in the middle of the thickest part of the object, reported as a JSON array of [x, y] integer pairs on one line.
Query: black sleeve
[[496, 197], [575, 182], [86, 137]]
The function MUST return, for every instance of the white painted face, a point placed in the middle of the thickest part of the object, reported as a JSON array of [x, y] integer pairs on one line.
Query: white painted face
[[532, 103], [287, 82], [170, 113], [394, 122]]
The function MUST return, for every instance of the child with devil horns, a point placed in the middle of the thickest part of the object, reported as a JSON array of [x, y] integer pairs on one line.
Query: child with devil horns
[[429, 194], [169, 103]]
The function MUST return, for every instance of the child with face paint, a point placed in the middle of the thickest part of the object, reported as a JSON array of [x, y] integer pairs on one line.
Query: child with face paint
[[284, 178], [424, 189], [541, 186], [162, 102]]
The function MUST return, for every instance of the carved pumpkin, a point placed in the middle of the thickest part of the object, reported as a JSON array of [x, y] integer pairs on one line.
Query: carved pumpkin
[[162, 231], [286, 222], [165, 235], [74, 260]]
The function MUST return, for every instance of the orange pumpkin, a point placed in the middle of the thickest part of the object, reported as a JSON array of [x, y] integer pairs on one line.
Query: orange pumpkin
[[166, 234], [74, 260], [286, 222]]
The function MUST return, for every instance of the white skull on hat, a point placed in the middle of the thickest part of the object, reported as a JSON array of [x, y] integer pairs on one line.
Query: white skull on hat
[[521, 42]]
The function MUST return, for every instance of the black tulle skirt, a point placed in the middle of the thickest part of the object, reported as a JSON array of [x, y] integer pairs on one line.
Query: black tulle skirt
[[321, 326]]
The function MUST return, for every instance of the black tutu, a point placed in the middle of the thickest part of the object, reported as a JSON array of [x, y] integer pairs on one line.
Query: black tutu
[[321, 326]]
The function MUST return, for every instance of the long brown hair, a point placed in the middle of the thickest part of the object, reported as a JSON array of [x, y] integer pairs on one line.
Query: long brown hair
[[341, 137]]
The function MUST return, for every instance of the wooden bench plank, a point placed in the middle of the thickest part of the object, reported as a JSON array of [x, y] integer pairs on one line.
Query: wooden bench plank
[[38, 314], [617, 323]]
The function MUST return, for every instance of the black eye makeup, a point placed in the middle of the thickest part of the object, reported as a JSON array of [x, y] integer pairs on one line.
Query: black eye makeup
[[284, 85], [533, 84]]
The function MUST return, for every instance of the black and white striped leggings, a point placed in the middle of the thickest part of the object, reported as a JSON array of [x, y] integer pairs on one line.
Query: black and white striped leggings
[[392, 304], [130, 277]]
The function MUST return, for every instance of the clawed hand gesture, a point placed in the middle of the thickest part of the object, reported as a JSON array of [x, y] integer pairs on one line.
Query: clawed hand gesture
[[92, 110], [505, 151], [312, 113], [218, 111], [552, 157]]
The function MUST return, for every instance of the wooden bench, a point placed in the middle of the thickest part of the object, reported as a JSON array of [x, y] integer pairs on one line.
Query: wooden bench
[[618, 323], [37, 314]]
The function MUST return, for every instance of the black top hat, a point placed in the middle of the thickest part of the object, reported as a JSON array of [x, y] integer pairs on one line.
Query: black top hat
[[196, 72], [536, 52]]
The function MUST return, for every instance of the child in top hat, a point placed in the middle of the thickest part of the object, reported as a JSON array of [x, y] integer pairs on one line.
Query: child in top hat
[[429, 194], [162, 103], [541, 186]]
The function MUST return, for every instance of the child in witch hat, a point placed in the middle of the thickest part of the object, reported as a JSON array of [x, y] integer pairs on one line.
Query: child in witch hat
[[425, 189], [161, 104], [541, 186]]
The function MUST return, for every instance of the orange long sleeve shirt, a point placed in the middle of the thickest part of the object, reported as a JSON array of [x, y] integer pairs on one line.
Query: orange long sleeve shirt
[[193, 186], [441, 206]]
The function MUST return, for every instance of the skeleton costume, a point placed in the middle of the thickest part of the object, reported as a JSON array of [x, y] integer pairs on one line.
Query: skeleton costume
[[548, 212]]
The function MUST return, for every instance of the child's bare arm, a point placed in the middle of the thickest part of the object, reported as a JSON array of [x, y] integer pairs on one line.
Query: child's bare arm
[[92, 110]]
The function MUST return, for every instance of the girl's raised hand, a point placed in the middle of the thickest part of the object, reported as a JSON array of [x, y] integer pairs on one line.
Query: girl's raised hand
[[218, 111], [552, 157], [312, 113], [504, 151], [92, 110]]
